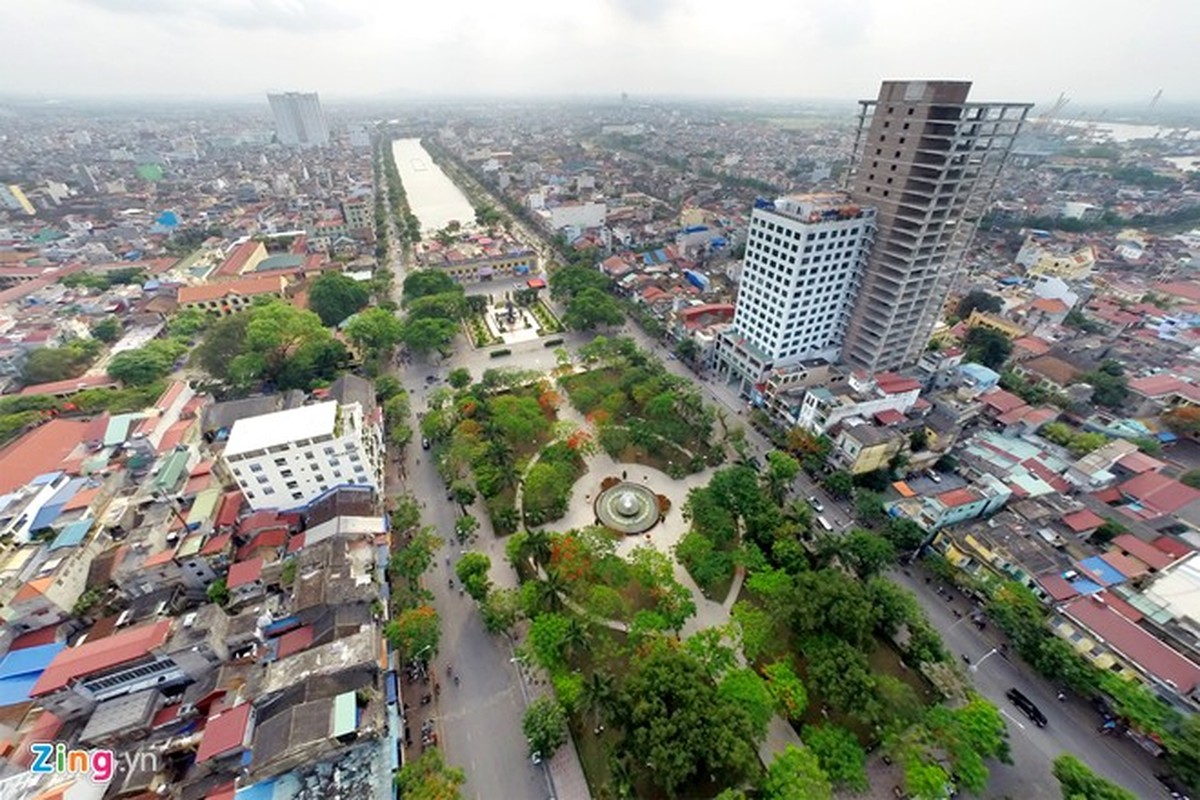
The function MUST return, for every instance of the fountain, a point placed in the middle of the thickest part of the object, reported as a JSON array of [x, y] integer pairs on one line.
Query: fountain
[[628, 508]]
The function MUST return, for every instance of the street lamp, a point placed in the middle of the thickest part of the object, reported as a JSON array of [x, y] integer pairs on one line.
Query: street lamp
[[975, 667]]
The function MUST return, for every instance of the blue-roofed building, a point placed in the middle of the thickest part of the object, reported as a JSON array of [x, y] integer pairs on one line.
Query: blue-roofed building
[[1105, 573], [53, 507], [20, 669], [979, 377], [73, 534]]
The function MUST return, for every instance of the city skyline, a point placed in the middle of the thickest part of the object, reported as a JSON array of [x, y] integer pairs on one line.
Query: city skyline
[[596, 47]]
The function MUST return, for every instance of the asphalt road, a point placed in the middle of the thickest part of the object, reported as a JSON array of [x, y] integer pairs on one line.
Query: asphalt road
[[479, 720], [1071, 725]]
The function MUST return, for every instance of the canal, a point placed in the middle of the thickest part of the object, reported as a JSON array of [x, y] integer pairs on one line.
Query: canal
[[432, 196]]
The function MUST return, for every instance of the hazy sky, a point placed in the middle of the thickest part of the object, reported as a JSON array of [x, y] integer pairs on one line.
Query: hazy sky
[[1094, 50]]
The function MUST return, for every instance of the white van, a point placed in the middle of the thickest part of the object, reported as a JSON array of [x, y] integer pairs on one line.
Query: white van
[[824, 523]]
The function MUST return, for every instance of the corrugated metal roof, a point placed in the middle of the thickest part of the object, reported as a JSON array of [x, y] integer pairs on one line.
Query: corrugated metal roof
[[171, 471], [73, 534], [204, 506], [345, 714]]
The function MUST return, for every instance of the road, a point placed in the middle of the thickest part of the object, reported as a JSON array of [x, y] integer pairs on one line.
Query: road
[[479, 720], [1072, 724]]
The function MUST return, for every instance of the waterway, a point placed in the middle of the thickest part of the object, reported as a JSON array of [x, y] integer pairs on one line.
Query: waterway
[[432, 196]]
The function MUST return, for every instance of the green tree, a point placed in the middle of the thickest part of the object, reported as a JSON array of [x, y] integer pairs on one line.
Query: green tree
[[840, 674], [429, 778], [472, 569], [987, 346], [545, 726], [282, 344], [448, 305], [839, 485], [674, 719], [905, 534], [47, 364], [108, 329], [387, 387], [1184, 750], [375, 332], [459, 378], [187, 323], [141, 367], [500, 610], [335, 296], [839, 754], [785, 686], [599, 696], [592, 308], [866, 553], [978, 300], [757, 628], [424, 282], [744, 688], [415, 632], [796, 774], [1080, 783], [781, 470], [222, 343], [412, 560], [218, 592], [424, 335], [567, 282], [1110, 387], [547, 640]]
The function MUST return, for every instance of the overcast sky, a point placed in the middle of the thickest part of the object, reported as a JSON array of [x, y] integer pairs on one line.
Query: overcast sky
[[1094, 50]]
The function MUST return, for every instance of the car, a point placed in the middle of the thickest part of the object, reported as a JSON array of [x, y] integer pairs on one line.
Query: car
[[425, 444], [1026, 705], [754, 464], [431, 378], [816, 504], [933, 476], [671, 357], [824, 523]]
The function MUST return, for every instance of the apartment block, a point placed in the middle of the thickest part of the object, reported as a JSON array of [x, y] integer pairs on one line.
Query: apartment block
[[928, 161]]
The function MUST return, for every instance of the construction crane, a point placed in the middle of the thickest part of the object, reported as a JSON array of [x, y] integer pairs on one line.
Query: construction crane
[[1044, 122], [1154, 100]]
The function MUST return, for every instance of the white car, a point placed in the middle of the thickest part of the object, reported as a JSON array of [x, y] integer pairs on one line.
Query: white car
[[817, 505]]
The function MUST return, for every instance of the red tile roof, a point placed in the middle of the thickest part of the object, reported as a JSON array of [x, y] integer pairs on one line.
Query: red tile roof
[[216, 544], [294, 641], [1132, 642], [1058, 587], [41, 450], [1051, 305], [244, 287], [1145, 552], [272, 537], [236, 262], [1164, 384], [1158, 492], [888, 416], [1129, 567], [1000, 400], [958, 497], [71, 385], [1084, 520], [244, 572], [1172, 547], [224, 733], [231, 506], [90, 657], [35, 638], [891, 383]]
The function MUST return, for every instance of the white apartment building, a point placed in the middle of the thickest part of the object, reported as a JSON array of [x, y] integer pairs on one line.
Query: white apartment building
[[289, 458], [299, 119], [800, 275]]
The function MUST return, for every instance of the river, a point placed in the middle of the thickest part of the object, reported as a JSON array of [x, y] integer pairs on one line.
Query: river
[[432, 196]]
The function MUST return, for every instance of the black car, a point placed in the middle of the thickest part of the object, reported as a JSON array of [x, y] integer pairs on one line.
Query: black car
[[1027, 706], [425, 444]]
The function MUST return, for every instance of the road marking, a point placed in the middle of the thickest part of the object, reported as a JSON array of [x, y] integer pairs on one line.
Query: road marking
[[1015, 721]]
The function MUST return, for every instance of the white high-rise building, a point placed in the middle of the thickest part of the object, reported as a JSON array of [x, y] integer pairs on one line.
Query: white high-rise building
[[299, 120], [287, 459], [804, 259]]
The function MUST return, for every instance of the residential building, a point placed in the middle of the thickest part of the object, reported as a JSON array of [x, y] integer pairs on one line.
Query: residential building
[[866, 448], [804, 257], [287, 459], [927, 160], [232, 296], [299, 120], [860, 396]]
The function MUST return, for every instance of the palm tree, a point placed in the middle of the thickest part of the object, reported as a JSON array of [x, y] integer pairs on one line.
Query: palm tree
[[550, 591], [538, 545], [599, 695], [576, 637]]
